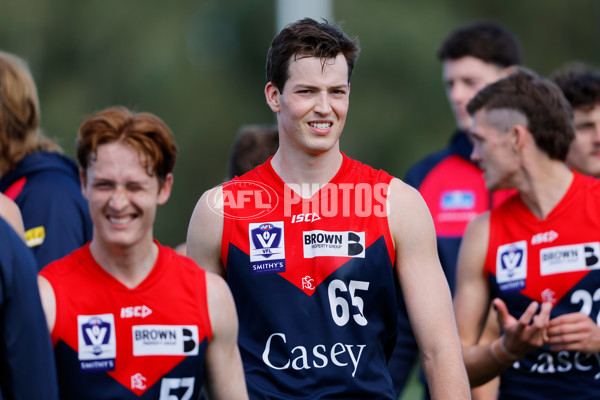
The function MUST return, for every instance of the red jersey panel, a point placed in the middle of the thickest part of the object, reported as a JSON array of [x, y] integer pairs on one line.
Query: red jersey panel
[[551, 260], [114, 342]]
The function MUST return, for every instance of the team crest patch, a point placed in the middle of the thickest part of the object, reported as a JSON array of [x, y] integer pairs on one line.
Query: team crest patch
[[97, 343], [571, 258], [511, 266], [267, 247]]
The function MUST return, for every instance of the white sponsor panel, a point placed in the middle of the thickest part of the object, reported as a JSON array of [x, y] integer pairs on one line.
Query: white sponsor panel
[[333, 244], [570, 258], [165, 340]]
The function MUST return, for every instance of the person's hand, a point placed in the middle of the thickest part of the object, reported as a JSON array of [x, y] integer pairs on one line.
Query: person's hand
[[523, 335], [575, 331]]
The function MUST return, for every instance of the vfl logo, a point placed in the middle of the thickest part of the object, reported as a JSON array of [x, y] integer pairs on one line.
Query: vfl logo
[[265, 237], [97, 346], [96, 333], [267, 247], [511, 266], [511, 260]]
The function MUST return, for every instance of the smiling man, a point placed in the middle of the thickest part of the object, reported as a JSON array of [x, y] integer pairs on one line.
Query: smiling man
[[130, 318], [314, 276]]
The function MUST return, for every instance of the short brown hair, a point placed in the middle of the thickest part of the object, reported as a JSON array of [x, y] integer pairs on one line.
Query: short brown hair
[[580, 84], [253, 146], [145, 132], [489, 42], [549, 115], [308, 38], [20, 134]]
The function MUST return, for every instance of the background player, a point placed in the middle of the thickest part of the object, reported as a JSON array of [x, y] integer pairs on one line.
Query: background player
[[128, 316], [581, 87], [312, 315], [473, 56], [522, 131], [34, 172]]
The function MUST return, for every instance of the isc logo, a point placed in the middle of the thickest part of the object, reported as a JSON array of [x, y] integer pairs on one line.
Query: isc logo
[[135, 311]]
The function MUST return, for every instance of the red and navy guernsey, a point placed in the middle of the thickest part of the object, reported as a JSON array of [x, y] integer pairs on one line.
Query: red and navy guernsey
[[113, 342], [555, 260], [314, 284]]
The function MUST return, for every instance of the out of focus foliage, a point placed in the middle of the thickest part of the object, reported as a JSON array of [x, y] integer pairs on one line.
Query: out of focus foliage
[[199, 65]]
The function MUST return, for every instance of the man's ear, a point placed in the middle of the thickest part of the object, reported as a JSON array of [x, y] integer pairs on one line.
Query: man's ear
[[519, 136], [165, 191], [82, 182], [272, 95]]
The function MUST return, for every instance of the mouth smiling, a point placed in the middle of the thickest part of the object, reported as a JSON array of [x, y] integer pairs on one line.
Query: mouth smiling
[[320, 125], [120, 220]]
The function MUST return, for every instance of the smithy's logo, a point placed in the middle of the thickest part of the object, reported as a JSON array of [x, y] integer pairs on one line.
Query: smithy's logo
[[241, 199]]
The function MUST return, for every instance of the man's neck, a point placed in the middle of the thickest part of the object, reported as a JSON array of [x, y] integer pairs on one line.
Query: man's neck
[[545, 187], [129, 265], [299, 168]]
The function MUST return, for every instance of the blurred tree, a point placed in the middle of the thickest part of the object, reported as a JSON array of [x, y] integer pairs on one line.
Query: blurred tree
[[199, 65]]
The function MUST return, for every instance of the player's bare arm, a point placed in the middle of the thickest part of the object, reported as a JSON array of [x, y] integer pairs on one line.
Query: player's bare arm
[[11, 213], [48, 301], [426, 292], [204, 234], [485, 361], [225, 374]]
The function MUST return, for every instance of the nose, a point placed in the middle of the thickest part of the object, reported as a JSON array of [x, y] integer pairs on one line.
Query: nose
[[597, 133], [323, 103], [457, 93], [118, 200]]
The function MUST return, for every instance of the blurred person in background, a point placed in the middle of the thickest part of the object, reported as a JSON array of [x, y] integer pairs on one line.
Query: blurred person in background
[[34, 173], [473, 56], [581, 86], [536, 256], [254, 145], [130, 318]]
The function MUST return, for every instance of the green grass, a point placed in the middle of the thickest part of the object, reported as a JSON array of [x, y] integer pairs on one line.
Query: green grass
[[414, 388]]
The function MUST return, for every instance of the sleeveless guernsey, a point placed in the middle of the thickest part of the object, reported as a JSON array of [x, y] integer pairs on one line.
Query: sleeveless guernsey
[[314, 284], [555, 260], [112, 342]]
